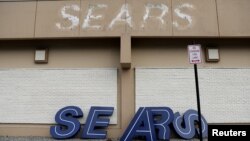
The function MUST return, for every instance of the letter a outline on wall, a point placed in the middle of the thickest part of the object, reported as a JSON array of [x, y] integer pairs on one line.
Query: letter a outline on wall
[[119, 18]]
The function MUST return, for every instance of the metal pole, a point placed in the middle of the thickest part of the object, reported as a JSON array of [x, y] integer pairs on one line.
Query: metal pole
[[198, 100]]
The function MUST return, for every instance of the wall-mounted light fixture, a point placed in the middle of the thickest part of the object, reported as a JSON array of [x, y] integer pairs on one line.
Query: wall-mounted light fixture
[[41, 55], [212, 54]]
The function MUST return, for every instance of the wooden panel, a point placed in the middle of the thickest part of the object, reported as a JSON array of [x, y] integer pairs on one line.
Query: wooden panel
[[17, 19]]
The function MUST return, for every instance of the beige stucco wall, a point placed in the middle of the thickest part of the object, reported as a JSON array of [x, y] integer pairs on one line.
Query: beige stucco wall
[[105, 53], [35, 20], [172, 53], [232, 16], [17, 19], [66, 18], [76, 53]]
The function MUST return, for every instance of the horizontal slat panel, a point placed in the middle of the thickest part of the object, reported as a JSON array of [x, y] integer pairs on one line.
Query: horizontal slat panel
[[35, 95], [224, 92]]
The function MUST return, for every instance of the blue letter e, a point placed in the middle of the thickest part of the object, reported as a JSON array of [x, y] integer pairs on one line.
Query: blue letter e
[[95, 122], [68, 125]]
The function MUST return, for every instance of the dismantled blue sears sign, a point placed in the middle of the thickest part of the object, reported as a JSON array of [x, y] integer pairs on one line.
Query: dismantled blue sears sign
[[150, 123]]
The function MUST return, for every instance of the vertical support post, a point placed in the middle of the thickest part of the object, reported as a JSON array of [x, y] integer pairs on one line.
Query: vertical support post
[[125, 51], [198, 99]]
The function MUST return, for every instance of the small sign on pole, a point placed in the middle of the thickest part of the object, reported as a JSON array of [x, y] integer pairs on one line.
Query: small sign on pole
[[194, 52]]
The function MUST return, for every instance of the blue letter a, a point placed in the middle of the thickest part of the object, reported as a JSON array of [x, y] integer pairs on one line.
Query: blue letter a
[[141, 125]]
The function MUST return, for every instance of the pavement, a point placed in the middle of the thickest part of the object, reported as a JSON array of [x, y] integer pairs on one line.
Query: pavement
[[6, 138]]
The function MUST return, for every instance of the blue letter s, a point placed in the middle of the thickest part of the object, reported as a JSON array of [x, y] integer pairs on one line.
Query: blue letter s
[[190, 117], [68, 124]]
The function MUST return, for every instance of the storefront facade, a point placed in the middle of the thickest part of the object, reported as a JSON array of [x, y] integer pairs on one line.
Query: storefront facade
[[125, 54]]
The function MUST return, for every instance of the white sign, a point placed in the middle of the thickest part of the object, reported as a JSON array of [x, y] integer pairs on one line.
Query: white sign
[[194, 52]]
